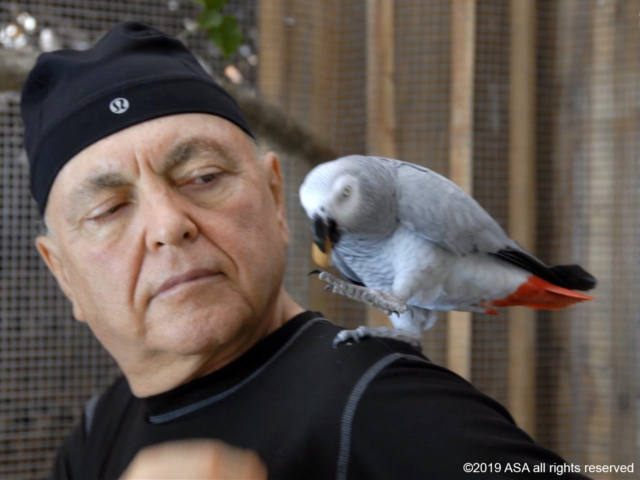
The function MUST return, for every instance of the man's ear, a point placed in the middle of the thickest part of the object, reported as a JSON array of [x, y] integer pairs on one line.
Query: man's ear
[[50, 253], [271, 168]]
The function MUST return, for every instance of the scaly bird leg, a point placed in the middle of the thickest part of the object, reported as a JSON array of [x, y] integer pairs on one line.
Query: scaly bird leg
[[385, 302], [413, 339]]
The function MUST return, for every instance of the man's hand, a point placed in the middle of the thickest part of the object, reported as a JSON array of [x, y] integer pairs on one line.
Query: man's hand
[[195, 459]]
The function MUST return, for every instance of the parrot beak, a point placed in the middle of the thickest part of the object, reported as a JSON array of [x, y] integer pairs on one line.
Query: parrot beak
[[325, 234]]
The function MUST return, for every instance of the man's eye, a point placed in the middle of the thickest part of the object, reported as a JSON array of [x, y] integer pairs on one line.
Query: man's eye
[[108, 213], [208, 178]]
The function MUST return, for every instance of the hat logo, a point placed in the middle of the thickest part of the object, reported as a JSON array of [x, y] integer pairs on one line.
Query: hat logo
[[119, 105]]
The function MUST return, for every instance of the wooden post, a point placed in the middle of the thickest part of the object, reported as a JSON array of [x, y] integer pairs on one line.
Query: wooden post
[[461, 160], [272, 74], [320, 32], [624, 303], [522, 206], [381, 119], [596, 324]]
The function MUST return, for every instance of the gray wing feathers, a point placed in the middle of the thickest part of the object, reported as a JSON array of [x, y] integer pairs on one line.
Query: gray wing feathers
[[437, 209], [343, 268]]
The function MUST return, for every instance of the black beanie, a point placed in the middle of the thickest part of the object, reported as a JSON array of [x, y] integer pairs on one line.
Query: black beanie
[[71, 98]]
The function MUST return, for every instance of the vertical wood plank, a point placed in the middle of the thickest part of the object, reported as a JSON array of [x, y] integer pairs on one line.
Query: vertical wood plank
[[272, 74], [461, 155], [625, 303], [601, 192], [320, 117], [324, 54], [381, 119], [522, 206], [564, 416]]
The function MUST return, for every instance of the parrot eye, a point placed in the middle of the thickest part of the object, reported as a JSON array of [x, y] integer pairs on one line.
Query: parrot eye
[[347, 191]]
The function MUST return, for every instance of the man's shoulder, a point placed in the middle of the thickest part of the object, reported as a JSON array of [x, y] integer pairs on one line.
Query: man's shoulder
[[386, 363], [322, 333], [348, 361]]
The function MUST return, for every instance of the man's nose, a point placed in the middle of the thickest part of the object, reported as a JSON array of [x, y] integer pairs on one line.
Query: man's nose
[[167, 221]]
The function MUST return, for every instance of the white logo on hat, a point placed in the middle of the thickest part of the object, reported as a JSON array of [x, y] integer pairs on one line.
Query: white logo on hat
[[119, 105]]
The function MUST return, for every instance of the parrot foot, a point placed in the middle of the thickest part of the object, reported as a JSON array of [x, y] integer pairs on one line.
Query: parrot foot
[[359, 333], [385, 302]]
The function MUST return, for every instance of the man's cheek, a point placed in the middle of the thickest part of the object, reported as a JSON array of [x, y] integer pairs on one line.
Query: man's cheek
[[103, 278], [246, 220]]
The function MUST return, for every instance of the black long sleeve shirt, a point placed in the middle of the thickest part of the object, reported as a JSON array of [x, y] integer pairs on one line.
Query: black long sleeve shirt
[[377, 409]]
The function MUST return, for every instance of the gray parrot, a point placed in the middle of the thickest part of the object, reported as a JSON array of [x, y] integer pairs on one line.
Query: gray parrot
[[410, 242]]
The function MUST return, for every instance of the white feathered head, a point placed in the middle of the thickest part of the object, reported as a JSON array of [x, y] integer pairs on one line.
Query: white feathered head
[[353, 195]]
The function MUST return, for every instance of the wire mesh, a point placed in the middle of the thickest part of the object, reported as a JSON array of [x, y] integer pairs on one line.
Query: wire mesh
[[50, 365], [588, 197], [585, 357], [422, 62], [490, 177]]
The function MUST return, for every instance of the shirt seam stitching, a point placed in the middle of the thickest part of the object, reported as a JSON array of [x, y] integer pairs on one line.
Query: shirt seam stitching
[[351, 405]]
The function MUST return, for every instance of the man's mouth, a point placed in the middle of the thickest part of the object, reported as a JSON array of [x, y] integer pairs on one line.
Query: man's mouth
[[189, 276]]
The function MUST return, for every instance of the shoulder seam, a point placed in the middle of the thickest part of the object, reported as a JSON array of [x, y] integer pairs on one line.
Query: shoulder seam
[[89, 410], [352, 404]]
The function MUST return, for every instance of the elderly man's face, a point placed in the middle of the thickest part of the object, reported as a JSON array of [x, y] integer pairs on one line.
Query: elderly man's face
[[174, 195]]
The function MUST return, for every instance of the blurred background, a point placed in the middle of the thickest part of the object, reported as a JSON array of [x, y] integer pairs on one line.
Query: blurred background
[[531, 106]]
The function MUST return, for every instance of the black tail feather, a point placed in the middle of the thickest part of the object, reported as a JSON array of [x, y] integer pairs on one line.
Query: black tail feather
[[573, 277]]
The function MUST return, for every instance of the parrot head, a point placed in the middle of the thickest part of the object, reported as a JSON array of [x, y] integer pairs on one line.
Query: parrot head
[[351, 195]]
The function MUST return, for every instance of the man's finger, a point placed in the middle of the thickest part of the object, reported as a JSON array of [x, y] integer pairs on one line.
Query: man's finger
[[195, 459]]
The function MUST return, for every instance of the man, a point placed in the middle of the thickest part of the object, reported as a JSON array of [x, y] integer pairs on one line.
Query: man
[[168, 234]]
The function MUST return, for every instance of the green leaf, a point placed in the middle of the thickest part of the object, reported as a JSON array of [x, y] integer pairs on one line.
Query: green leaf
[[216, 37], [210, 18], [215, 4], [228, 36], [211, 4]]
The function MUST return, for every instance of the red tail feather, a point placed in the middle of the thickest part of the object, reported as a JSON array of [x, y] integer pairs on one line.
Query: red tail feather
[[538, 293]]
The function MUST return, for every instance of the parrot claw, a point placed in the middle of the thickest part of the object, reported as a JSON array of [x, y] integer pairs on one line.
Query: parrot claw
[[316, 271], [383, 332], [383, 301]]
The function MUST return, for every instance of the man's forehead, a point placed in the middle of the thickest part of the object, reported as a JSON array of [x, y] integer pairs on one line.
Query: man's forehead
[[158, 136]]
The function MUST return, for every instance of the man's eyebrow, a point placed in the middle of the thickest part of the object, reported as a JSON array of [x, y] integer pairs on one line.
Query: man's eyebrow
[[191, 147], [94, 184]]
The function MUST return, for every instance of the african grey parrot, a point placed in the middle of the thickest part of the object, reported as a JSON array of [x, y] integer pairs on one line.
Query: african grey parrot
[[410, 242]]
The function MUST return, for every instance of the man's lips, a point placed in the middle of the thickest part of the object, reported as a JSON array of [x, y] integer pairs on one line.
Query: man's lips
[[185, 277]]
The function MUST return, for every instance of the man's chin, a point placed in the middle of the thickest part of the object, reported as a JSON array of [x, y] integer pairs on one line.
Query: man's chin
[[197, 333]]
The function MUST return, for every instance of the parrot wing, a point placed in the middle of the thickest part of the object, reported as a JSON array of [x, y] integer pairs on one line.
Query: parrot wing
[[344, 269], [438, 210]]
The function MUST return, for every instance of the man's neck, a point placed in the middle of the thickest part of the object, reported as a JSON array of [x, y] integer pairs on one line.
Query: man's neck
[[170, 371]]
